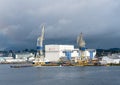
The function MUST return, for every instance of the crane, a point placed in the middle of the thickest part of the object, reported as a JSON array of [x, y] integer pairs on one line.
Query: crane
[[40, 42], [81, 43], [39, 60]]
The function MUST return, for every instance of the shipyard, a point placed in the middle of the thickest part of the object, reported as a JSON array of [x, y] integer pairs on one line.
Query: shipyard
[[60, 55], [59, 42]]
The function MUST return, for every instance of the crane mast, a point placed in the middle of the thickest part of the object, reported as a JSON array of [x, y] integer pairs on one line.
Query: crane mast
[[81, 43], [40, 42]]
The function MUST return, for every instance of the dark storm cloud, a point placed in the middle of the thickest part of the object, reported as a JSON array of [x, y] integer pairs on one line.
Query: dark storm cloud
[[21, 20]]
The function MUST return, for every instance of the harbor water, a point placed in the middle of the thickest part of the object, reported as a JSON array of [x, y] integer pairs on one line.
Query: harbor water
[[93, 75]]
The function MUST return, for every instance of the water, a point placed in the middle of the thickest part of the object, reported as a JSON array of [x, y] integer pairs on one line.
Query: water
[[60, 75]]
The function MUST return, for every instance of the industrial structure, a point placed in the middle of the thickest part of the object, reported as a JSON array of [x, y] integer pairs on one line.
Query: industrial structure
[[63, 53], [110, 59], [40, 43], [84, 58], [55, 53], [59, 54], [39, 58], [19, 58]]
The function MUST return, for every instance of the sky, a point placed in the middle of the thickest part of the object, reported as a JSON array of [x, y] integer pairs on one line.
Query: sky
[[21, 22]]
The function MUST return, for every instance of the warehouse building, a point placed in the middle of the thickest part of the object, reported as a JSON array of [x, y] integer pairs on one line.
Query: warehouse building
[[53, 53]]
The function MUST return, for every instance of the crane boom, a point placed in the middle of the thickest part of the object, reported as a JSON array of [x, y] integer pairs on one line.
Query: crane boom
[[40, 41], [43, 31]]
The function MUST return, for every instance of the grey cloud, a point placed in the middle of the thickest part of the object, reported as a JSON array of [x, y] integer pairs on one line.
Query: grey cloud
[[21, 20]]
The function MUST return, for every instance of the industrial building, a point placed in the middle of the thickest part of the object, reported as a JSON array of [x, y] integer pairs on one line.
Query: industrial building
[[19, 58], [24, 56], [5, 59], [56, 53], [53, 53], [111, 59]]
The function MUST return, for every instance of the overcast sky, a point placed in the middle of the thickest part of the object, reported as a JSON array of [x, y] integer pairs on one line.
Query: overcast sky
[[21, 21]]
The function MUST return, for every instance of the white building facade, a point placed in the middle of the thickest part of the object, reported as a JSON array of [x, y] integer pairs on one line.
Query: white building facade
[[110, 60], [53, 53], [24, 56]]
